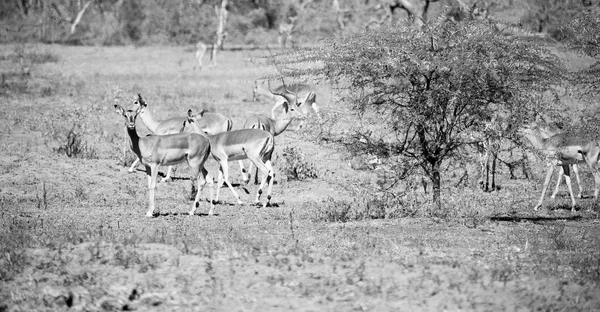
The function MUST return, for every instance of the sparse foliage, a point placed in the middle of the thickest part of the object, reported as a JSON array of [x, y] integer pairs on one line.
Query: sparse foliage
[[425, 95], [296, 167]]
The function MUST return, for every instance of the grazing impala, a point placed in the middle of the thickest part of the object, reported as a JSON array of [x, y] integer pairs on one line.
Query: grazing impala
[[212, 123], [562, 150], [254, 144], [170, 149]]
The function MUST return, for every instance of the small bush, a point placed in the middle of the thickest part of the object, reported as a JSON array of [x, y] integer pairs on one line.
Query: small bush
[[295, 167], [338, 211], [352, 210], [75, 147]]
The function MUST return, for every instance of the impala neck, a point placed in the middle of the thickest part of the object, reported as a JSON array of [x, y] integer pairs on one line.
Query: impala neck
[[135, 141], [149, 121], [280, 125]]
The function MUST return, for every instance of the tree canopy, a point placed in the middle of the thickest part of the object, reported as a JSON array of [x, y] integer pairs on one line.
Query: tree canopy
[[420, 96]]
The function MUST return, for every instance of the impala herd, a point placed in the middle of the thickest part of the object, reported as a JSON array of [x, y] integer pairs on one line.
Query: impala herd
[[194, 138]]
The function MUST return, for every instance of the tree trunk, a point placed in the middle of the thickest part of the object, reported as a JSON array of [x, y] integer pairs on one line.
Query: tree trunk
[[79, 16], [222, 14], [436, 182]]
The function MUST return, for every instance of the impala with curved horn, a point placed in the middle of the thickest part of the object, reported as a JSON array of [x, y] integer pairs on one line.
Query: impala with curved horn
[[305, 94]]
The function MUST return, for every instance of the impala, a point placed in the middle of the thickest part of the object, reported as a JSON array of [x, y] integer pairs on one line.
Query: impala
[[262, 122], [170, 149], [305, 95], [551, 131], [212, 123], [254, 144], [562, 150]]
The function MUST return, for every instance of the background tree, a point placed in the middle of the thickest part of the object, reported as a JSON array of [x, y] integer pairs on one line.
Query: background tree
[[420, 96]]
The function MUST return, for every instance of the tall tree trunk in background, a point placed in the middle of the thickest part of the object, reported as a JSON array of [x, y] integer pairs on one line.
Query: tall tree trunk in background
[[80, 11], [222, 14], [65, 16]]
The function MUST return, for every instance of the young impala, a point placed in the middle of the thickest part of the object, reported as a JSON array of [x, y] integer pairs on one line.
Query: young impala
[[167, 150]]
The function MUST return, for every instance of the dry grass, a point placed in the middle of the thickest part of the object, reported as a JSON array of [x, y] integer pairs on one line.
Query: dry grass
[[73, 231]]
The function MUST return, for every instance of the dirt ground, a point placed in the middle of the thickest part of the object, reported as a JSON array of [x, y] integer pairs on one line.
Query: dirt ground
[[74, 235]]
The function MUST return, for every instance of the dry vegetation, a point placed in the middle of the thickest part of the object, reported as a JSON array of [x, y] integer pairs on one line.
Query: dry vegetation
[[73, 232]]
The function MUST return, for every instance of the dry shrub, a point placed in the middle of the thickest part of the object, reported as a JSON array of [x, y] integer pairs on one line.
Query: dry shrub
[[76, 147], [340, 210], [296, 167]]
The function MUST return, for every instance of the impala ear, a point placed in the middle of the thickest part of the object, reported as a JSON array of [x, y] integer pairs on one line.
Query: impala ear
[[141, 100], [119, 109], [190, 115]]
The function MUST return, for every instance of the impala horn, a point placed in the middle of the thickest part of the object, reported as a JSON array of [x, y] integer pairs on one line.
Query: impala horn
[[291, 99]]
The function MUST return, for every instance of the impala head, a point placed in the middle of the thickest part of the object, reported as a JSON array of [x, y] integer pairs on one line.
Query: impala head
[[191, 124], [140, 102], [130, 115], [290, 97]]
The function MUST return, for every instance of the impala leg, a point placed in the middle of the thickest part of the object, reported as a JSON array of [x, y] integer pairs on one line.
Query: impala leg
[[597, 180], [219, 184], [225, 174], [168, 176], [245, 174], [209, 179], [203, 178], [255, 174], [545, 187], [267, 171], [560, 176], [567, 174], [576, 171], [249, 175], [151, 172], [271, 175], [135, 163]]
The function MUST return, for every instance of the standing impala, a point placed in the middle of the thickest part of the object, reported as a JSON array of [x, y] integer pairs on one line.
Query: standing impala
[[548, 132], [305, 95], [274, 126], [170, 149], [254, 144], [212, 123], [562, 150]]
